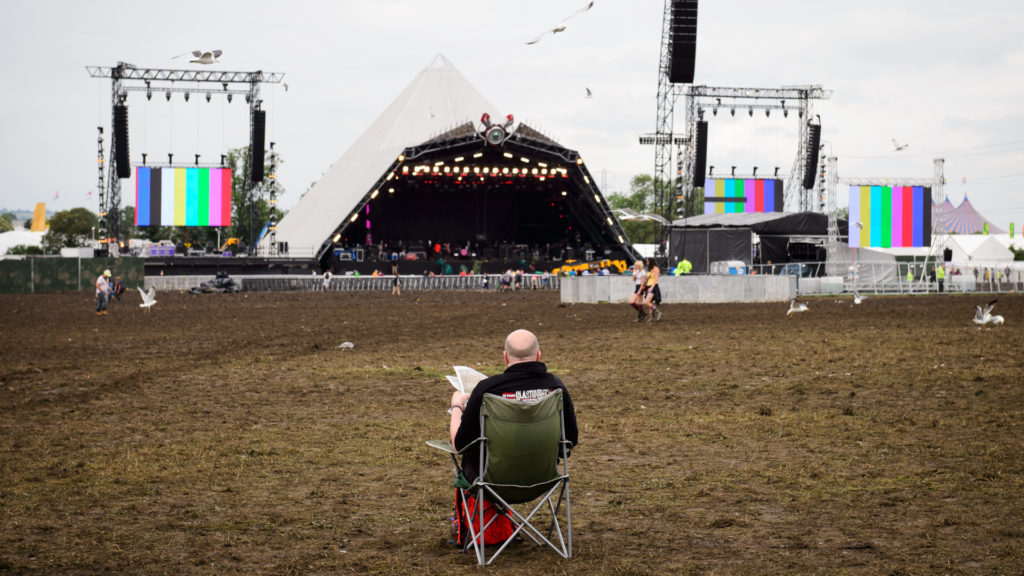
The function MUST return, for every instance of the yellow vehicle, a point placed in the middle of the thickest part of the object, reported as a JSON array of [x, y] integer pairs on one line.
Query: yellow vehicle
[[593, 267]]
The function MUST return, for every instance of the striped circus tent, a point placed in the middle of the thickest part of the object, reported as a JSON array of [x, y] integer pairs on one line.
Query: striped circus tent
[[963, 219]]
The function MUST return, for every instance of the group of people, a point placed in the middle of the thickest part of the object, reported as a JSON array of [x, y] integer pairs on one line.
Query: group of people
[[646, 295], [107, 289], [514, 280]]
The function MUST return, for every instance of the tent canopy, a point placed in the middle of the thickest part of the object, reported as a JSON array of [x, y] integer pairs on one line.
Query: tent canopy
[[405, 184], [963, 219], [437, 99], [785, 236]]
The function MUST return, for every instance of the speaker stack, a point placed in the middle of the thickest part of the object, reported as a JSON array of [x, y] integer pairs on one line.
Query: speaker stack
[[700, 163], [683, 40], [811, 155], [121, 156], [259, 125]]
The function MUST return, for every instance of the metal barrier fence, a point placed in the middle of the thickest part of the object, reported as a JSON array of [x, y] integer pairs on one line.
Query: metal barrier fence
[[384, 283], [915, 277], [873, 278]]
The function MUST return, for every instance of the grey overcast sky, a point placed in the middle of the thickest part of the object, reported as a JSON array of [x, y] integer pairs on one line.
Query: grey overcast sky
[[945, 77]]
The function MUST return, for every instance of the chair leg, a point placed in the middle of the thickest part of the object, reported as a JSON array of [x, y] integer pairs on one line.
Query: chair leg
[[523, 525]]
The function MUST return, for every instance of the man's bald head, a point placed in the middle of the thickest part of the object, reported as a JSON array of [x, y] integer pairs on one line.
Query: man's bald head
[[521, 346]]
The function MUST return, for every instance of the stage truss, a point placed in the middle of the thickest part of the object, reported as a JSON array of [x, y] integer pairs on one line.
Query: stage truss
[[705, 102], [836, 266], [127, 78]]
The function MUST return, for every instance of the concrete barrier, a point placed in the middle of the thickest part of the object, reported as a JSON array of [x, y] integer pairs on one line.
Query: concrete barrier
[[682, 289]]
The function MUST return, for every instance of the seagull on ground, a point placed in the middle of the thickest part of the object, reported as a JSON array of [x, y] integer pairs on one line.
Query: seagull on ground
[[983, 316], [148, 298], [795, 307], [200, 57], [857, 298], [561, 27], [896, 147]]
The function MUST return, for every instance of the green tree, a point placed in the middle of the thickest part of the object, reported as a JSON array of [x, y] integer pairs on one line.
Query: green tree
[[128, 229], [69, 228], [1018, 253], [640, 199], [250, 208], [6, 222], [25, 250]]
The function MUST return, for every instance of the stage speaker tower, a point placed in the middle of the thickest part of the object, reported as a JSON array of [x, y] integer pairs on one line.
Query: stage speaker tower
[[701, 160], [259, 125], [683, 41], [121, 156], [811, 155]]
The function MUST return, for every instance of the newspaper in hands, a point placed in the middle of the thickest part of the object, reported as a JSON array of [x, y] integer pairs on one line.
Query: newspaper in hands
[[465, 379]]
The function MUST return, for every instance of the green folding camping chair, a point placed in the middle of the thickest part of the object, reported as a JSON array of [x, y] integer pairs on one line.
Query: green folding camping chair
[[523, 461]]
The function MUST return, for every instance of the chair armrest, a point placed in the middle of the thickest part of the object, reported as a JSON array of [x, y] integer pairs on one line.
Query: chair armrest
[[447, 445], [442, 445]]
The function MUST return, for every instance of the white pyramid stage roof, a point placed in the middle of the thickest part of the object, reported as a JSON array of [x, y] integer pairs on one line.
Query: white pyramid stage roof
[[437, 100]]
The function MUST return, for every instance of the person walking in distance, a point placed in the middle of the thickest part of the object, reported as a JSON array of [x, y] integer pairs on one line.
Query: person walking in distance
[[102, 293], [653, 298], [636, 300], [396, 283]]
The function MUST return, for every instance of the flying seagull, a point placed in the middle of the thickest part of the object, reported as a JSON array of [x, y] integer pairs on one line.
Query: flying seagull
[[857, 298], [795, 307], [983, 316], [200, 57], [896, 147], [589, 93], [561, 27], [148, 298]]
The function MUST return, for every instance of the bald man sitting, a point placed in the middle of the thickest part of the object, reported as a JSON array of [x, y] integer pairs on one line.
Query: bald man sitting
[[526, 379]]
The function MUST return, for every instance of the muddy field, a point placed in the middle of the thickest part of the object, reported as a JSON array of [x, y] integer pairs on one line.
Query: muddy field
[[228, 434]]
